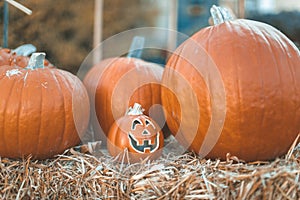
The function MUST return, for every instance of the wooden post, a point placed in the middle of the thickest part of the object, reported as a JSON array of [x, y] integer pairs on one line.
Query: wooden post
[[6, 17], [241, 9], [172, 24], [19, 6], [98, 26]]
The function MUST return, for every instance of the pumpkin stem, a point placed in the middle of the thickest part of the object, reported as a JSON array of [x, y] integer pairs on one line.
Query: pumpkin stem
[[220, 15], [36, 61], [135, 110], [136, 47], [25, 50]]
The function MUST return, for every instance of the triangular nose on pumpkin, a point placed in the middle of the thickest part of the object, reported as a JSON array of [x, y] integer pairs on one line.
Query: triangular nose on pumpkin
[[145, 132]]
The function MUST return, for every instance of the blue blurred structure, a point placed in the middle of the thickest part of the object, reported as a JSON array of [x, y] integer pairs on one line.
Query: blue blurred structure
[[287, 22], [193, 15]]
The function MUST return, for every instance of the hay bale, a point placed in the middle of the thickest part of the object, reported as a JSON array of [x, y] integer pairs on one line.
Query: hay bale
[[79, 175]]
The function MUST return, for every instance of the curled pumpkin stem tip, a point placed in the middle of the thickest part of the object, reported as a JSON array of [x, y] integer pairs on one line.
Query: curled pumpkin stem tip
[[135, 110], [220, 15]]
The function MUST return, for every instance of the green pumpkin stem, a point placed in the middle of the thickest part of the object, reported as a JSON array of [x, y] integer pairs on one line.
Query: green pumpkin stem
[[220, 15], [136, 47], [36, 61], [135, 110]]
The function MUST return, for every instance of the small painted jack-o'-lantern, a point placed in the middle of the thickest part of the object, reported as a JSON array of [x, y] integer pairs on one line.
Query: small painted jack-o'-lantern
[[137, 133]]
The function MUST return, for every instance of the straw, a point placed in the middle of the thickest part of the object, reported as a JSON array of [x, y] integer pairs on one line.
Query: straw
[[77, 174]]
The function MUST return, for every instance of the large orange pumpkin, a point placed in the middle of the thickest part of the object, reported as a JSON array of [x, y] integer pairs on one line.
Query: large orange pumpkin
[[115, 84], [234, 88], [137, 133], [43, 111]]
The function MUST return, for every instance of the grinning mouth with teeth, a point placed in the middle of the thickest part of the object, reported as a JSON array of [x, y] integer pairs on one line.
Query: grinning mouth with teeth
[[147, 145]]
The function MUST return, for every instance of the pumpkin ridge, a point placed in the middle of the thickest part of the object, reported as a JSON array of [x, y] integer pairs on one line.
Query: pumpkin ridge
[[263, 96], [290, 69], [40, 118], [106, 105], [291, 74], [112, 138], [152, 96], [4, 116], [57, 83], [178, 55], [270, 49], [57, 145], [277, 70], [18, 115], [16, 84], [263, 90], [206, 49], [237, 84], [105, 127], [71, 84], [257, 34], [63, 84], [280, 68], [171, 69]]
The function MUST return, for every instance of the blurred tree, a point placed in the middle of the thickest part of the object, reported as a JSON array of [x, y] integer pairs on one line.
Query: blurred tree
[[64, 29]]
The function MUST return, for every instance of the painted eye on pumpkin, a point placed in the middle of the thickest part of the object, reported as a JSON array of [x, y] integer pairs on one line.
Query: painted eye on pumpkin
[[134, 123], [149, 123]]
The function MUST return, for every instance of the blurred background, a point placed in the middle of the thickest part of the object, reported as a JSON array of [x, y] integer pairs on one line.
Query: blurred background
[[66, 29]]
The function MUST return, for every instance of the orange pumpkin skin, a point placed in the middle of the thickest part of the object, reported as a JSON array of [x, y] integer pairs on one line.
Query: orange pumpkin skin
[[5, 56], [42, 111], [139, 134], [260, 71], [115, 84], [8, 57]]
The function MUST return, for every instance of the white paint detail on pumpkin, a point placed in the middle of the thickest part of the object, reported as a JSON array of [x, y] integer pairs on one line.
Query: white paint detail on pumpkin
[[13, 72], [128, 60], [151, 149], [135, 110], [25, 77], [173, 114], [45, 84], [139, 64], [150, 69]]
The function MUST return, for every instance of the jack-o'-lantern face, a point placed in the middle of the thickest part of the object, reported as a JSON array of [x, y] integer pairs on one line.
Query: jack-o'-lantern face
[[143, 135], [137, 133]]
